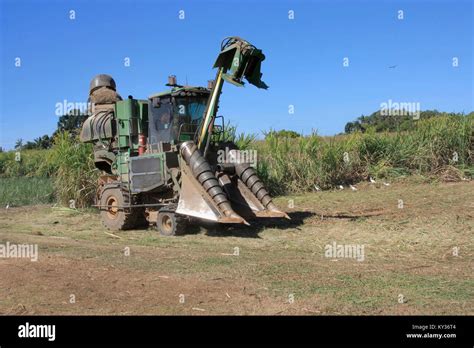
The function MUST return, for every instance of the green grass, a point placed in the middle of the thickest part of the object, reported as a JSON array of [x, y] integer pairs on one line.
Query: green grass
[[75, 177], [68, 163], [28, 163], [439, 148], [26, 191]]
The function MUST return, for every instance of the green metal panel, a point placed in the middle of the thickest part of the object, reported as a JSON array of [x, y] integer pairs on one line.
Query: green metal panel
[[142, 116], [132, 119], [120, 167], [124, 112], [184, 137]]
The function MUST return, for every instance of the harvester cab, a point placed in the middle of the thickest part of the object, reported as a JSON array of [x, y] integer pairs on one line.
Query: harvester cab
[[174, 116], [162, 160]]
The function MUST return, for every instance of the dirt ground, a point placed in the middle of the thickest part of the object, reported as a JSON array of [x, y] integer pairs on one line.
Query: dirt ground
[[418, 259]]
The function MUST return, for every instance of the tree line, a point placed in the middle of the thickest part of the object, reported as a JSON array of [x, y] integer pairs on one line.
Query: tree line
[[378, 120], [381, 122]]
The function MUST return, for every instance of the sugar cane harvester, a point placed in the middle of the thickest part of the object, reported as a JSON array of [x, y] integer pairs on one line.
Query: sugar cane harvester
[[159, 157]]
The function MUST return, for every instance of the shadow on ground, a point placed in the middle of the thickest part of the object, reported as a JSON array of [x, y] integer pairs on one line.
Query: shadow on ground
[[252, 231]]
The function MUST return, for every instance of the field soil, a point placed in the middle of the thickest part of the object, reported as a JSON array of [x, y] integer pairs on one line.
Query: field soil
[[418, 258]]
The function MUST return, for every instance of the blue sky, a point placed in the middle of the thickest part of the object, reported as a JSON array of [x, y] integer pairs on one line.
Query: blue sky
[[304, 65]]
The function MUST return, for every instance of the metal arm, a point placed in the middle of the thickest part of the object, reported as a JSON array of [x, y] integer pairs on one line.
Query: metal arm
[[205, 130], [238, 59]]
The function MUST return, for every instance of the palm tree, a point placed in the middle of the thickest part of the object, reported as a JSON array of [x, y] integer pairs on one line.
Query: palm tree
[[19, 144], [38, 142]]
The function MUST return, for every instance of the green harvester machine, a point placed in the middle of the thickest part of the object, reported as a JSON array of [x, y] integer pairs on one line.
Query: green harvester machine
[[159, 158]]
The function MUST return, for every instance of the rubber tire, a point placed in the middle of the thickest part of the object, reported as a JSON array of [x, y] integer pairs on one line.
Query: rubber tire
[[167, 223], [118, 219]]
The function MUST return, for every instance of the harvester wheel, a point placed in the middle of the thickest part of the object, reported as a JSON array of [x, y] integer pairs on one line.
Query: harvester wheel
[[113, 215], [167, 223]]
